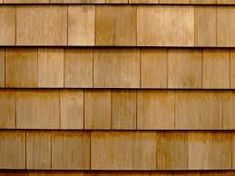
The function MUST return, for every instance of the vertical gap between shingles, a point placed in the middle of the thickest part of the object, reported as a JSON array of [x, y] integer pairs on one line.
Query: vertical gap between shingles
[[51, 150], [67, 24], [15, 24], [83, 109], [136, 107], [111, 115], [25, 135], [202, 66]]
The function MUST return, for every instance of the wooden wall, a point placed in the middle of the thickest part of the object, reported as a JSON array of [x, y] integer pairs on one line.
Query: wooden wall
[[117, 87]]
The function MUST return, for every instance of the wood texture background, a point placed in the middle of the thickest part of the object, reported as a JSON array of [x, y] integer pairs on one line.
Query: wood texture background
[[117, 87]]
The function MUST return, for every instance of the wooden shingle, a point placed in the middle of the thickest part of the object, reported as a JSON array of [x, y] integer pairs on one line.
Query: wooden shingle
[[37, 110], [7, 109], [213, 151], [78, 68], [123, 151], [172, 151], [117, 68], [50, 67], [155, 110], [97, 109], [225, 32], [154, 68], [215, 69], [198, 110], [158, 26], [110, 22], [12, 147], [21, 67], [124, 109], [71, 106], [2, 68], [71, 151], [38, 150], [41, 25], [185, 68], [7, 29], [81, 25], [205, 26]]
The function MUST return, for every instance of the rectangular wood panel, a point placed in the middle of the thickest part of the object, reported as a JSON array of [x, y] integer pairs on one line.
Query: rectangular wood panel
[[97, 109], [185, 68], [12, 147], [37, 110], [2, 67], [172, 151], [71, 106], [50, 68], [155, 110], [71, 151], [7, 29], [154, 68], [7, 109], [228, 110], [232, 69], [41, 25], [213, 151], [81, 25], [205, 26], [115, 68], [21, 67], [225, 26], [215, 69], [78, 68], [157, 26], [38, 150], [26, 1], [110, 22], [123, 151], [124, 109], [198, 110]]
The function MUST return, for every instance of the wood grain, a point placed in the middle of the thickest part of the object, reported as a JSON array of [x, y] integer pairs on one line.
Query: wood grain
[[215, 69], [12, 147], [232, 69], [205, 26], [71, 105], [77, 1], [124, 110], [50, 68], [7, 29], [37, 110], [123, 151], [41, 25], [228, 110], [157, 26], [78, 67], [172, 151], [225, 32], [185, 68], [2, 67], [21, 67], [143, 1], [198, 110], [214, 151], [26, 1], [204, 1], [117, 68], [81, 25], [71, 151], [155, 110], [109, 25], [97, 109], [7, 109], [154, 68], [38, 150]]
